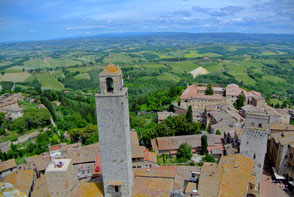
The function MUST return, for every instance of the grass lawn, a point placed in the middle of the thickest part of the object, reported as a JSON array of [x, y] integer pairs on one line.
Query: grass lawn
[[169, 159], [49, 82], [15, 77]]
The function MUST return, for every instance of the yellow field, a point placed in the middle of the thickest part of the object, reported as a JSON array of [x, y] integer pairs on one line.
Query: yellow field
[[15, 77]]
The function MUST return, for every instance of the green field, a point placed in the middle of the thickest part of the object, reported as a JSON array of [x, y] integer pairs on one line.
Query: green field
[[168, 77], [117, 57], [185, 66], [275, 79], [153, 65], [49, 82], [193, 54], [83, 76]]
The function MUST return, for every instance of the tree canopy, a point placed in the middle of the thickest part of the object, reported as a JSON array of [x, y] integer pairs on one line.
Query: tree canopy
[[184, 153]]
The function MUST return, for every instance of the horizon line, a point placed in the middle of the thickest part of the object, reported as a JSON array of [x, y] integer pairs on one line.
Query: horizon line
[[134, 33]]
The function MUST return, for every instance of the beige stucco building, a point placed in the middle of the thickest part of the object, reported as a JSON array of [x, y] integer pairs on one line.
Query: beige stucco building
[[61, 178]]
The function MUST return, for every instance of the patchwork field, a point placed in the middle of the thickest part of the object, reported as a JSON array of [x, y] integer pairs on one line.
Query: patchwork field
[[49, 82], [82, 76], [15, 77]]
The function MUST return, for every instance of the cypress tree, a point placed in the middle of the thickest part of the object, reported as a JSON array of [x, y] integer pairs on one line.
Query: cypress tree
[[204, 144], [189, 115]]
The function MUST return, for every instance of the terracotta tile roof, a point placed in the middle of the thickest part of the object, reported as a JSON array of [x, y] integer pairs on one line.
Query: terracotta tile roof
[[83, 154], [41, 188], [173, 143], [6, 165], [150, 156], [162, 172], [110, 69], [56, 147], [163, 115], [191, 92], [134, 137], [39, 161], [254, 93], [22, 180], [137, 151], [234, 90], [85, 189], [145, 186], [230, 178]]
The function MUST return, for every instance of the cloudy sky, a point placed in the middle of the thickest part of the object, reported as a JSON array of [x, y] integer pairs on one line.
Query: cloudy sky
[[50, 19]]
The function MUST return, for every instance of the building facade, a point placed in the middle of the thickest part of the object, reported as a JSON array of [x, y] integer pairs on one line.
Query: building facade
[[254, 141]]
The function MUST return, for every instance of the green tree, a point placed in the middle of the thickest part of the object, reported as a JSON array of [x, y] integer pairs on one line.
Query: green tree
[[19, 125], [171, 108], [239, 103], [284, 105], [2, 116], [218, 132], [189, 115], [209, 90], [204, 144], [184, 153], [207, 158], [277, 105]]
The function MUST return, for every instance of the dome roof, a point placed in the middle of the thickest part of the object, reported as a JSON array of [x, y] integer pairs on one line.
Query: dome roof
[[111, 68]]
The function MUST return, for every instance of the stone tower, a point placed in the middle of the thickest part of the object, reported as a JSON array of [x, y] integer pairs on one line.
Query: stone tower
[[61, 178], [114, 133], [254, 141]]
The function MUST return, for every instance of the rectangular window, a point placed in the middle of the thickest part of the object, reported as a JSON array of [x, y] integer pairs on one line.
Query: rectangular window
[[116, 188]]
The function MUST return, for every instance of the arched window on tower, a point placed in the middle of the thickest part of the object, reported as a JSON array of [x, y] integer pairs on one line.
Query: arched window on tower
[[109, 84]]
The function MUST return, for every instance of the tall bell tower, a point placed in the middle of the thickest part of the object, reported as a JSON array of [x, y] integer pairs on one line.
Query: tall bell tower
[[114, 133]]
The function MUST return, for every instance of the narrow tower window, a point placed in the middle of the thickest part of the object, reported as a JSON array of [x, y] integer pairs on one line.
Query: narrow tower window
[[109, 84]]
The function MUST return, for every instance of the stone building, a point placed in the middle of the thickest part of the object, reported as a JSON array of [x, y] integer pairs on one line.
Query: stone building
[[254, 141], [38, 163], [280, 154], [7, 167], [114, 133], [61, 178], [170, 145], [194, 96]]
